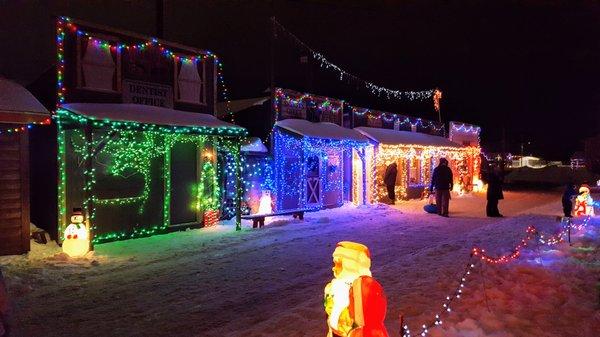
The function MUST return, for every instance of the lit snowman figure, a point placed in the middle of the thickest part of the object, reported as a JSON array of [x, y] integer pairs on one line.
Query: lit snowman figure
[[264, 206], [76, 241]]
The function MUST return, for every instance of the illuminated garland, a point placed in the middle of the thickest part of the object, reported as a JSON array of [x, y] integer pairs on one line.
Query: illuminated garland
[[208, 178], [465, 128], [480, 254], [230, 131], [399, 120], [373, 88], [24, 127], [138, 159], [130, 151], [387, 154], [291, 172], [65, 24]]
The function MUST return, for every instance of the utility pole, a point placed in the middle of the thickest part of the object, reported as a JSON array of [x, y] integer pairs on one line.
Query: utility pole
[[160, 19]]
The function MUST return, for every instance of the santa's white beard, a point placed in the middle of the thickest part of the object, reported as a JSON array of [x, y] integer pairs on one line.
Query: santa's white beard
[[340, 288]]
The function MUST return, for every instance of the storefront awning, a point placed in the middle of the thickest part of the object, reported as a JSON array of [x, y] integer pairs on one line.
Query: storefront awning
[[240, 104], [254, 144], [146, 114], [17, 105], [394, 137], [321, 130]]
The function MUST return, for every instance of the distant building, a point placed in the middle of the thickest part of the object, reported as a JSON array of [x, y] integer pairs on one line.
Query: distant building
[[532, 162], [578, 160]]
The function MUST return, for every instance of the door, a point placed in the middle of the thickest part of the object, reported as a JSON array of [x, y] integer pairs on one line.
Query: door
[[313, 181], [184, 180]]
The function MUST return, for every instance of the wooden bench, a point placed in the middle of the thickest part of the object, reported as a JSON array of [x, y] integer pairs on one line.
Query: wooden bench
[[258, 220]]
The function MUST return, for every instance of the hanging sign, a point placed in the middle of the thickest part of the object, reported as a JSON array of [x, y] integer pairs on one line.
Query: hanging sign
[[146, 93]]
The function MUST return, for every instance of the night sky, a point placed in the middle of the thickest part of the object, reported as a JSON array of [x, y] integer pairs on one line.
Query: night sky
[[526, 69]]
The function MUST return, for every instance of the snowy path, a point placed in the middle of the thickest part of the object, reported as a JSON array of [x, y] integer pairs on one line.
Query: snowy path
[[269, 282]]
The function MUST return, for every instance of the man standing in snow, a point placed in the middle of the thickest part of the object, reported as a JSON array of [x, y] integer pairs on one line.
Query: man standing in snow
[[567, 199], [494, 191], [389, 179], [443, 182]]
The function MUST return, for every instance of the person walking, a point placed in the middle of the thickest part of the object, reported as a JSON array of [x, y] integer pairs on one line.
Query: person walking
[[494, 192], [567, 199], [442, 181], [389, 179]]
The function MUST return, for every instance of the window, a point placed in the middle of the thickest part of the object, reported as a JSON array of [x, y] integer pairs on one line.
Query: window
[[190, 82], [99, 66], [414, 172]]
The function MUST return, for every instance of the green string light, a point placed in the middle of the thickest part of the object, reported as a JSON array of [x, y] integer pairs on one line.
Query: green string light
[[132, 147]]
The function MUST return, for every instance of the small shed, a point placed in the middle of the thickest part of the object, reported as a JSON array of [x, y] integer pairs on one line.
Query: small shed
[[310, 166], [416, 154], [18, 111], [137, 170]]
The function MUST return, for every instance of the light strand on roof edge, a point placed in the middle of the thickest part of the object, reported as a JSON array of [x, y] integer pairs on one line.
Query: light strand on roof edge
[[65, 23]]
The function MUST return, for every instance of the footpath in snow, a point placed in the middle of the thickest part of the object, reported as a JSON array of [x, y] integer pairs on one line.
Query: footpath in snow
[[269, 282]]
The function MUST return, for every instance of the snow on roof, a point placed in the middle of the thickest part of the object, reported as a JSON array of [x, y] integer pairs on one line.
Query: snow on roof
[[145, 114], [254, 144], [240, 104], [14, 98], [322, 130], [394, 137]]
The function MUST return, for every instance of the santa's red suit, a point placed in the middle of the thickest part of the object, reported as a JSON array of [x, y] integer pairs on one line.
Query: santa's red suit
[[367, 307]]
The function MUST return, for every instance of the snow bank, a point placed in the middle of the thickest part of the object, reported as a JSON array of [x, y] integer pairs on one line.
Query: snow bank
[[269, 281]]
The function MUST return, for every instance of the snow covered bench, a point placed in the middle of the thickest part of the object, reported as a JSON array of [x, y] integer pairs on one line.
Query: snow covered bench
[[258, 220]]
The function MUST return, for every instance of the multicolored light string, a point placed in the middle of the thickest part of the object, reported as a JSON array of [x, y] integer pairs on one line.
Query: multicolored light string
[[65, 24], [24, 127], [373, 88], [480, 255], [398, 119]]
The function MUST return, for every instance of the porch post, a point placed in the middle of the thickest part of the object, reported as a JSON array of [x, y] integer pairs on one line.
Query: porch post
[[62, 176], [88, 183], [363, 159], [238, 188]]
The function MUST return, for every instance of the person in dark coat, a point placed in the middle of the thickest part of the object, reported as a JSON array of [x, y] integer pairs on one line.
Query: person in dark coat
[[494, 192], [567, 199], [443, 182], [389, 179]]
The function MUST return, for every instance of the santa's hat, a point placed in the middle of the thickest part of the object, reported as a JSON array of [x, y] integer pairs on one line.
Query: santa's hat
[[348, 250], [584, 188]]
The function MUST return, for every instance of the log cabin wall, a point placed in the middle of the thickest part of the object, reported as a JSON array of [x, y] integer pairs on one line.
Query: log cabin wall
[[14, 193]]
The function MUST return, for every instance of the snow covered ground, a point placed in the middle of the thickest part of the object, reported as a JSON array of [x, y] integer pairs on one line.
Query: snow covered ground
[[269, 282]]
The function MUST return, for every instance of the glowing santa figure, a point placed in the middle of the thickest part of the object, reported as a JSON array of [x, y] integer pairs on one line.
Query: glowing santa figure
[[264, 206], [76, 241], [584, 204], [354, 301]]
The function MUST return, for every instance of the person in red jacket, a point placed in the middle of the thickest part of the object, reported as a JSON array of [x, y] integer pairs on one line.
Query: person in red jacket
[[354, 301]]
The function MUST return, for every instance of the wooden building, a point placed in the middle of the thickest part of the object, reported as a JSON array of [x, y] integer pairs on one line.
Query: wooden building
[[139, 146], [18, 111]]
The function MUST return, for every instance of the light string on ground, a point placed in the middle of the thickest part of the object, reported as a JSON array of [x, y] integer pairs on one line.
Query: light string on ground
[[479, 254]]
